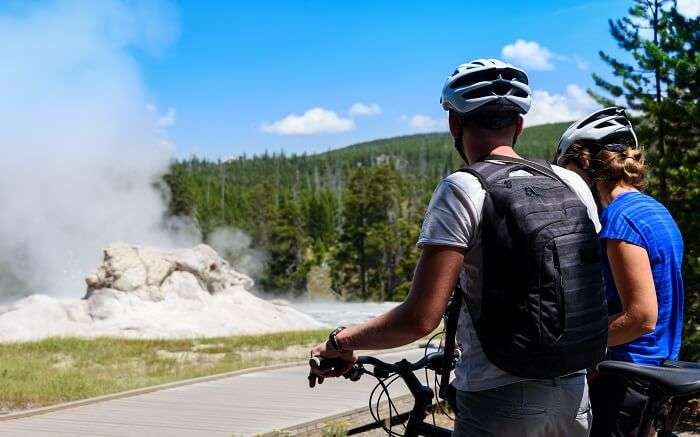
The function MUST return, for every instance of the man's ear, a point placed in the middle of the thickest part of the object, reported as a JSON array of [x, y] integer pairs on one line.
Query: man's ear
[[455, 127]]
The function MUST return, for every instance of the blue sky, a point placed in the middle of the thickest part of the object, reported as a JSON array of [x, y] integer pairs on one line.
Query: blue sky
[[238, 65], [236, 71]]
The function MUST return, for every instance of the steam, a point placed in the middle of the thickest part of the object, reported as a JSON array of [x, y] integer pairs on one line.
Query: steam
[[82, 146], [235, 246]]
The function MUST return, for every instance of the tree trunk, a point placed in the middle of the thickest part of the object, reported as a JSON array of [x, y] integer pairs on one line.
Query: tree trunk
[[663, 185], [363, 270], [223, 195]]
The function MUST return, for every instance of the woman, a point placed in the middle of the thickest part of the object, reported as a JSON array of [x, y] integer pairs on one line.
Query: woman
[[642, 252]]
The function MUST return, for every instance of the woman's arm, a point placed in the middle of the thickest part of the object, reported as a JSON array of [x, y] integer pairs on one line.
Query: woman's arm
[[631, 271]]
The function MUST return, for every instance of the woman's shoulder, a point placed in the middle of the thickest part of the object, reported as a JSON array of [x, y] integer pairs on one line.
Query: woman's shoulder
[[639, 205], [639, 210]]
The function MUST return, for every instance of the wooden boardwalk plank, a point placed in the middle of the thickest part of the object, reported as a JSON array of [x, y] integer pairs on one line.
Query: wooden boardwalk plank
[[241, 405]]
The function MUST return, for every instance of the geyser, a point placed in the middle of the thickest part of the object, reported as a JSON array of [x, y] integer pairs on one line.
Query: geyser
[[143, 292]]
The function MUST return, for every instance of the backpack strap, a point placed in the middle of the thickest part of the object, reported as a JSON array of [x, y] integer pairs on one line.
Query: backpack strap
[[487, 172], [451, 318], [539, 165]]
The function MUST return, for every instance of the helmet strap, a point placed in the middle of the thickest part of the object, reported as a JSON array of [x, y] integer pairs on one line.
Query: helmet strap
[[458, 147]]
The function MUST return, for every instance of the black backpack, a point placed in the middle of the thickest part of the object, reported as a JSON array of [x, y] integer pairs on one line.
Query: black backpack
[[543, 311]]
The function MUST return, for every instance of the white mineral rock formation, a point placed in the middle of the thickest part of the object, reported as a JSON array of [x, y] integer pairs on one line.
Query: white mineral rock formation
[[143, 292]]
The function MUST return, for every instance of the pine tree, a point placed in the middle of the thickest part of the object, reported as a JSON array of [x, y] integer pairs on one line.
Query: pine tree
[[180, 184], [287, 266], [643, 84]]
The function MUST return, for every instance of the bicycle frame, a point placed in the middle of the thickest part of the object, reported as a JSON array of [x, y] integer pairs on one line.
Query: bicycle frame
[[654, 409], [423, 400]]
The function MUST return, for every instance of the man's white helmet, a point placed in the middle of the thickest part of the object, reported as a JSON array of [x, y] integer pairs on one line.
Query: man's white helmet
[[486, 82], [605, 128]]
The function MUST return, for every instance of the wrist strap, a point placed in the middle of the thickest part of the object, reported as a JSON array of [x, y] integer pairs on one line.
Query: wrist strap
[[332, 340]]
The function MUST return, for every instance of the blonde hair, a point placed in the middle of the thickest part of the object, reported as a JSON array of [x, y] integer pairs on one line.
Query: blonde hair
[[626, 167]]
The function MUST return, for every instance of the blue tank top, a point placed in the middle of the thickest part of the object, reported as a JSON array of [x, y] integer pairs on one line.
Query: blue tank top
[[640, 220]]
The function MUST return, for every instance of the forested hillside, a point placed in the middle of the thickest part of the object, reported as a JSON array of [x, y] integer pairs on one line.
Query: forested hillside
[[347, 218]]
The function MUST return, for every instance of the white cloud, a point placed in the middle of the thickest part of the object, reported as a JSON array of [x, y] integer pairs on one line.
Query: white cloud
[[689, 8], [645, 30], [362, 109], [581, 63], [163, 120], [313, 121], [421, 123], [551, 107], [529, 54]]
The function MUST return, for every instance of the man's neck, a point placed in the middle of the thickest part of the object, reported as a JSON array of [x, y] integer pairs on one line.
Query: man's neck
[[476, 155]]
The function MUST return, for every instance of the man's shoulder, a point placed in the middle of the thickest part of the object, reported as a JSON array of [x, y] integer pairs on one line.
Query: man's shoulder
[[569, 176], [579, 186], [464, 181], [575, 182], [468, 182]]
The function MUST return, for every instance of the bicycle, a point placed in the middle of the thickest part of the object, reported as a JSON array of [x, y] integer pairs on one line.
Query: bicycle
[[387, 374], [441, 363], [669, 389]]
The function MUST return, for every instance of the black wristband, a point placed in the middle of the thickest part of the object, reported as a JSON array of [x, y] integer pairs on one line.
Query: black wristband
[[332, 340]]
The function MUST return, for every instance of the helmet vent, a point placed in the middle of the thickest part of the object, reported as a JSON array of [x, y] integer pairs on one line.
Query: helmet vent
[[517, 92], [512, 74], [478, 93], [502, 88], [588, 120], [489, 75]]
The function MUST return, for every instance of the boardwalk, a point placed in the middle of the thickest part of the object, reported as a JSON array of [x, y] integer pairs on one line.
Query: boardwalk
[[242, 405]]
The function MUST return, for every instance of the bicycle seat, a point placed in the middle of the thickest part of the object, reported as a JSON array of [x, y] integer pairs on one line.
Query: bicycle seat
[[673, 381], [680, 364]]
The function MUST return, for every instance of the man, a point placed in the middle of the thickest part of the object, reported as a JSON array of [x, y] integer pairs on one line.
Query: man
[[485, 100]]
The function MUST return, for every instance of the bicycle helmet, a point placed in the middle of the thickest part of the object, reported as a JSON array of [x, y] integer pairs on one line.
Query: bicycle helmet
[[606, 128], [486, 82]]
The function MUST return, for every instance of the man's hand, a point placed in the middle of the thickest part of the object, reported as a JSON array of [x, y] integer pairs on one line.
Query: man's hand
[[344, 362]]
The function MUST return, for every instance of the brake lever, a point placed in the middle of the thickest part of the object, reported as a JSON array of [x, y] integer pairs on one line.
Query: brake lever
[[355, 373]]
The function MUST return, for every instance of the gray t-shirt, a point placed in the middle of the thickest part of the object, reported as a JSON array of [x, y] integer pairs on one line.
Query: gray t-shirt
[[452, 219]]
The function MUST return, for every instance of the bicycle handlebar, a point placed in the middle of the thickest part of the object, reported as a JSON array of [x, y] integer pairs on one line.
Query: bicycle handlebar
[[427, 361], [430, 361]]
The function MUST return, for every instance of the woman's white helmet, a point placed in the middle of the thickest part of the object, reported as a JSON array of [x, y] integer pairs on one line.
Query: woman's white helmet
[[486, 82], [605, 128]]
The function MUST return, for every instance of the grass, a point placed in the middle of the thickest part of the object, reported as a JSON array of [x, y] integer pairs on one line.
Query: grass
[[55, 370], [336, 429]]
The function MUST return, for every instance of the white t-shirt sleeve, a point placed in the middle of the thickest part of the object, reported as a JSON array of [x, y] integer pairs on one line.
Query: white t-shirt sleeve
[[453, 213], [582, 191]]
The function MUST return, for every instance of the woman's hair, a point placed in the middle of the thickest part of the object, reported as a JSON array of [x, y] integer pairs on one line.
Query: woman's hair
[[610, 167]]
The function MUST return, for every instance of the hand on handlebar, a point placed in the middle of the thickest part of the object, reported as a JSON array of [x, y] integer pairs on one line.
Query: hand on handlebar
[[341, 363]]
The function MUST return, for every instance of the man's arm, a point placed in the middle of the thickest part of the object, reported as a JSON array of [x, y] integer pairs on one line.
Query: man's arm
[[421, 312]]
